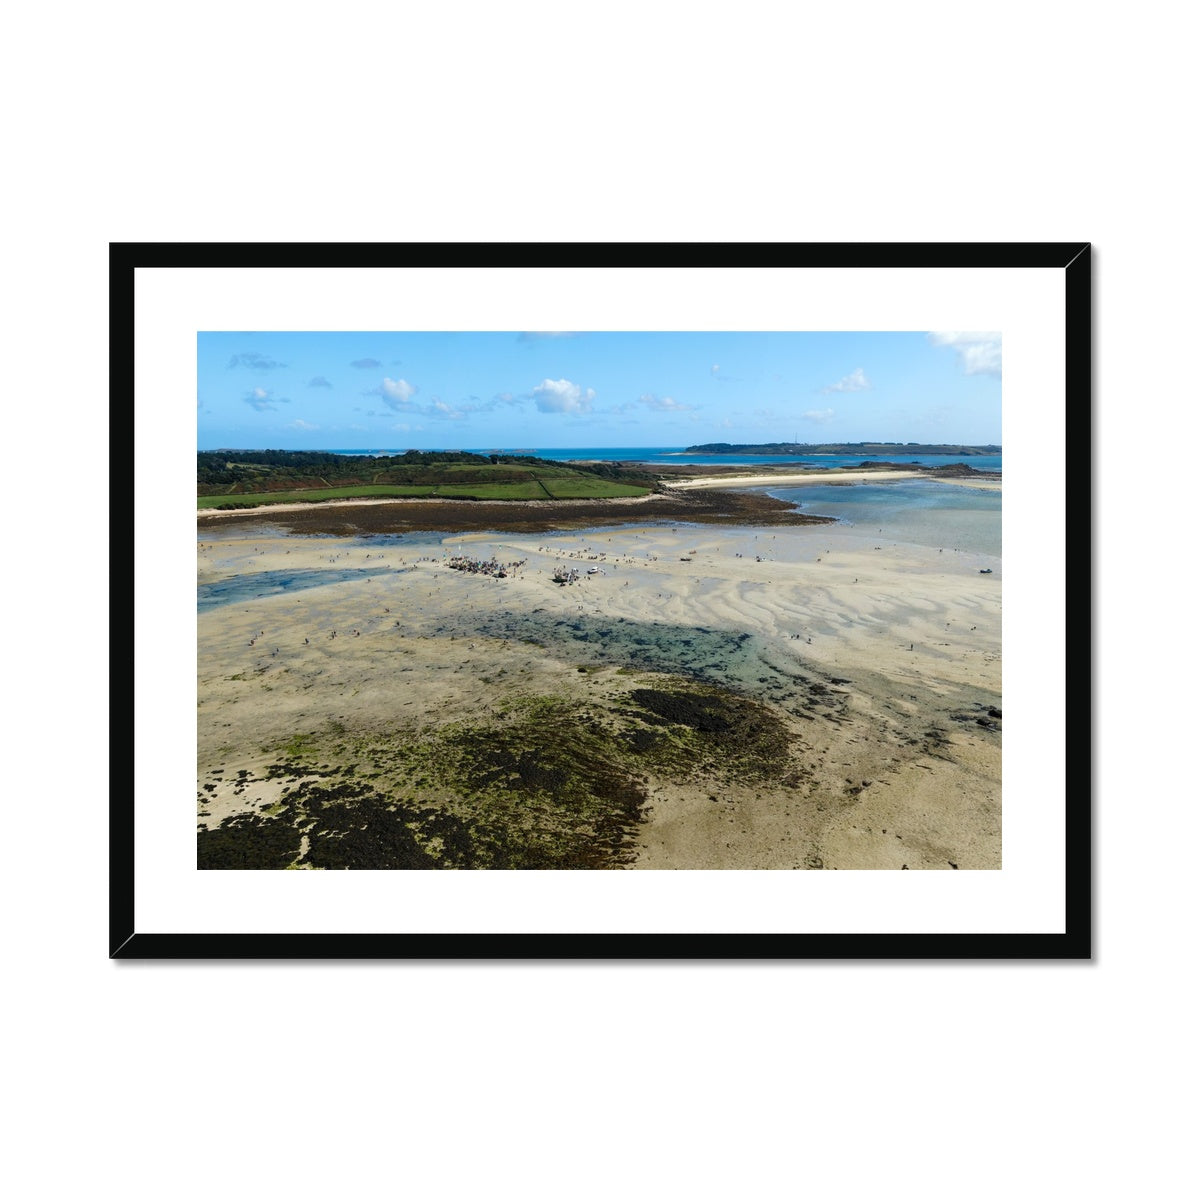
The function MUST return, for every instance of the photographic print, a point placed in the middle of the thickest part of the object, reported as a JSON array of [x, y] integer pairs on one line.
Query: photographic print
[[616, 639], [599, 600]]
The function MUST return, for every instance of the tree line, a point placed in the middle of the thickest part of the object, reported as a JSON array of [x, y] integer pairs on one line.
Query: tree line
[[216, 468]]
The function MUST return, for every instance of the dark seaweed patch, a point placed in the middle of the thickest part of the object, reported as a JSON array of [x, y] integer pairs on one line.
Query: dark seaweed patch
[[348, 827], [367, 837], [699, 712], [549, 788], [549, 784], [641, 740], [248, 843], [542, 791], [727, 731]]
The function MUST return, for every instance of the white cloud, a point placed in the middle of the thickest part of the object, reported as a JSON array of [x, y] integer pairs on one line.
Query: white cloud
[[303, 426], [978, 353], [437, 407], [263, 399], [259, 362], [397, 393], [662, 403], [561, 395], [820, 415], [856, 381]]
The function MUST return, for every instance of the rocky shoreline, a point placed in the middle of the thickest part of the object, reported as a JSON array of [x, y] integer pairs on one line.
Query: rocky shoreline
[[350, 518]]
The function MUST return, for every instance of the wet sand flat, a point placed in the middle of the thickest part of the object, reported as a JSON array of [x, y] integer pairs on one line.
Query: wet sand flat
[[696, 698]]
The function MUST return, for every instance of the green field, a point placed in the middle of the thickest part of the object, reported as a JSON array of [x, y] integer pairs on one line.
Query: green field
[[518, 489], [580, 487], [589, 487], [312, 495]]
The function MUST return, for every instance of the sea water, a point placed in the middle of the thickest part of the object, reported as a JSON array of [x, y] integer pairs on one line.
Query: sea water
[[669, 455], [239, 588], [924, 512]]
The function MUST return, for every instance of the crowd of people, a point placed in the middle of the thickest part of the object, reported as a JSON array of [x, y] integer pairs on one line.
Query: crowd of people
[[485, 566]]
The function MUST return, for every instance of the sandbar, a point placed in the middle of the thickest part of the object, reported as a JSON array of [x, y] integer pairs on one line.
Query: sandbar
[[835, 476]]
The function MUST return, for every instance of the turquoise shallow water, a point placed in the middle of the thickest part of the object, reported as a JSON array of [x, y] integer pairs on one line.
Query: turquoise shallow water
[[677, 457], [240, 588], [921, 511]]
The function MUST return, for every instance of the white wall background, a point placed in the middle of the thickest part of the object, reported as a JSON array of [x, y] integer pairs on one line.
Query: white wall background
[[526, 121]]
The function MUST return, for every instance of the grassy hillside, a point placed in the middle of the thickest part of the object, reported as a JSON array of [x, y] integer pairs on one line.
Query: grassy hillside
[[244, 478]]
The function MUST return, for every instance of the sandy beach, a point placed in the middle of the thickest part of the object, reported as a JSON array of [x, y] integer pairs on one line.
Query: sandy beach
[[825, 477], [696, 697], [417, 502]]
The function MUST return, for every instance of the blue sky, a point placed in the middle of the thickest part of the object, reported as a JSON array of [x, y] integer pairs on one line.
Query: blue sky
[[553, 390]]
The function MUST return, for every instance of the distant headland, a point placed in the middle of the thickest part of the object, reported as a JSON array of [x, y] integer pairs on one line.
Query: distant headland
[[866, 448]]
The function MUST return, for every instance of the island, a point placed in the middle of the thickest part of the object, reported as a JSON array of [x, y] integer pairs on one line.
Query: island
[[230, 479], [864, 448]]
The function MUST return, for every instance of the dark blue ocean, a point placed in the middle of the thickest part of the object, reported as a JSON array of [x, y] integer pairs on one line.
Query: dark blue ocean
[[669, 454]]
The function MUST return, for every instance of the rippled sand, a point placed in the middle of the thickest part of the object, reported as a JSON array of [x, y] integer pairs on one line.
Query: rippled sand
[[880, 664]]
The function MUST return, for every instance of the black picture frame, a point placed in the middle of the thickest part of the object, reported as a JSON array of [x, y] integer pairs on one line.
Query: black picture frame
[[1073, 259]]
